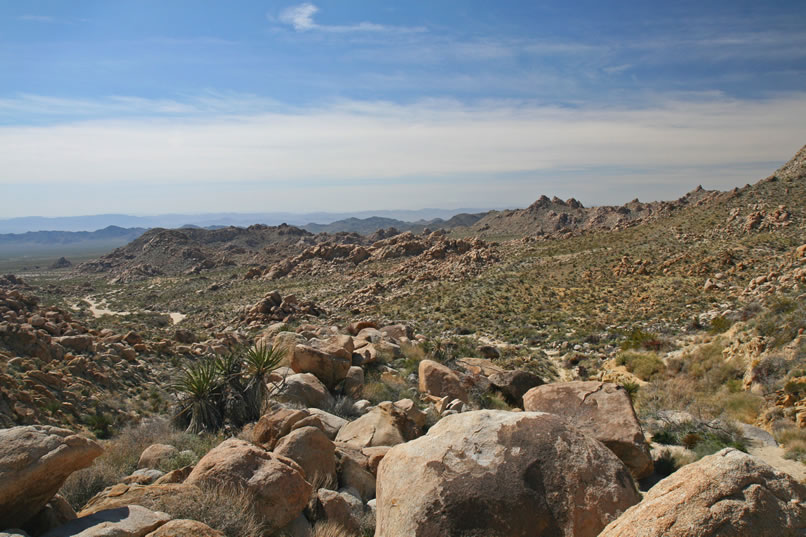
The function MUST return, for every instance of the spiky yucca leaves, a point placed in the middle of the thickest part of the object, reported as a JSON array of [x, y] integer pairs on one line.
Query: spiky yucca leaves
[[236, 406], [261, 360], [229, 389], [199, 396]]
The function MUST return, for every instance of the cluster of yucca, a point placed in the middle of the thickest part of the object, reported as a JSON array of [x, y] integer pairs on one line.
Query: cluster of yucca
[[222, 390]]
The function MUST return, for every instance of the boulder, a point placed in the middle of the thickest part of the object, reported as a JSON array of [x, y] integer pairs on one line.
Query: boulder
[[185, 528], [354, 383], [440, 381], [384, 425], [272, 426], [513, 385], [168, 497], [130, 521], [35, 460], [275, 484], [333, 508], [728, 493], [304, 389], [332, 424], [314, 452], [56, 513], [602, 410], [397, 331], [156, 454], [499, 473], [329, 368], [353, 473]]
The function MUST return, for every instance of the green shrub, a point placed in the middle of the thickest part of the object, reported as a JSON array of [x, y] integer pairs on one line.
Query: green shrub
[[640, 339], [645, 366], [719, 325], [666, 463]]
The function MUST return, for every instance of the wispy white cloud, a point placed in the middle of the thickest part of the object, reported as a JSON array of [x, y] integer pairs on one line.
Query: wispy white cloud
[[301, 18], [38, 18], [380, 141]]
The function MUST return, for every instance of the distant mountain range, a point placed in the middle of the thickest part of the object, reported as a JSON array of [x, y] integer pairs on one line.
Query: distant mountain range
[[53, 242], [173, 221]]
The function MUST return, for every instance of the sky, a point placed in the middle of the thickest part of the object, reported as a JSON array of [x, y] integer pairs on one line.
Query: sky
[[170, 106]]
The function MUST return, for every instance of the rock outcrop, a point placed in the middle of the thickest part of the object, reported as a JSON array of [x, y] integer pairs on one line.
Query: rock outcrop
[[499, 473], [729, 493], [601, 409], [35, 461]]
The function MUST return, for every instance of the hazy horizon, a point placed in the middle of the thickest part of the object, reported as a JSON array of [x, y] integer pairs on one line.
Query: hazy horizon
[[151, 108]]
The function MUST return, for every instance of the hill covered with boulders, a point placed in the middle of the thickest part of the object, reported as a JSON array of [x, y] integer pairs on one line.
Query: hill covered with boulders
[[616, 371]]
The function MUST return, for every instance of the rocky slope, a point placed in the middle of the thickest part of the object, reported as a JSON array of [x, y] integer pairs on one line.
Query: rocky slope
[[557, 218]]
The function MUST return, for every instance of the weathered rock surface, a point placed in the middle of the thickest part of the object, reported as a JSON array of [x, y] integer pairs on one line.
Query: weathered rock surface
[[305, 389], [514, 384], [157, 497], [131, 521], [727, 494], [155, 454], [328, 368], [440, 381], [35, 460], [313, 451], [502, 474], [384, 425], [272, 426], [601, 409], [276, 484]]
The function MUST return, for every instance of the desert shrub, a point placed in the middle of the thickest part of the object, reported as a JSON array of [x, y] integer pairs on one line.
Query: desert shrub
[[700, 437], [331, 529], [122, 452], [643, 365], [631, 388], [488, 400], [226, 509], [666, 463], [412, 356], [641, 339], [742, 406], [719, 325], [793, 440]]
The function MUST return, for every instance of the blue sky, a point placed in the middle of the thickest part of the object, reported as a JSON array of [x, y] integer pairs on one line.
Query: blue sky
[[146, 107]]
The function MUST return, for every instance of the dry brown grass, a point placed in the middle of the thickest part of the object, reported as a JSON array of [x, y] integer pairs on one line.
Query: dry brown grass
[[121, 454], [331, 529]]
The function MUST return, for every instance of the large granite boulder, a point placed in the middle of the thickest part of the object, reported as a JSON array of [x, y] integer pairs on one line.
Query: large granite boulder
[[35, 461], [314, 452], [384, 425], [328, 368], [303, 389], [440, 381], [501, 474], [275, 484], [601, 409], [727, 494]]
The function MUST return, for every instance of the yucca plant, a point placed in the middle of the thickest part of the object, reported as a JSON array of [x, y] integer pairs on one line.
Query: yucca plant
[[199, 398], [261, 360]]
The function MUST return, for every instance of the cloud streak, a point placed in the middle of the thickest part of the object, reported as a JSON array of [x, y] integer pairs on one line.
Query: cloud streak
[[301, 18], [379, 141]]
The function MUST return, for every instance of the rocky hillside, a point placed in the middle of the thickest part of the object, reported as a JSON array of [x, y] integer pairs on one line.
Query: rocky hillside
[[557, 218], [192, 250]]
